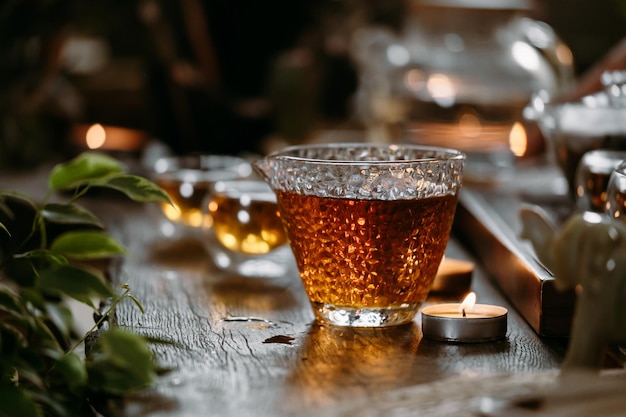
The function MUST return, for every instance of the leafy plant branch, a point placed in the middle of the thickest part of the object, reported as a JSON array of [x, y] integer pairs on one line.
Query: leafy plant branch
[[104, 316], [49, 252]]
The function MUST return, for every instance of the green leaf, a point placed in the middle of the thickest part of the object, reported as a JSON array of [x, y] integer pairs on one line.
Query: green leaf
[[15, 402], [4, 208], [121, 363], [73, 370], [29, 375], [87, 245], [43, 255], [38, 324], [137, 303], [69, 214], [61, 317], [79, 283], [9, 301], [32, 296], [85, 167], [136, 188], [12, 333], [12, 194]]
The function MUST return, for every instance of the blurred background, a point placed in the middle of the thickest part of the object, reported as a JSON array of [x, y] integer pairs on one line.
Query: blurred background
[[230, 77]]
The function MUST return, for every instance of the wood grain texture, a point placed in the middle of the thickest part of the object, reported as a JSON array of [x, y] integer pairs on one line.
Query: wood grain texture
[[280, 362]]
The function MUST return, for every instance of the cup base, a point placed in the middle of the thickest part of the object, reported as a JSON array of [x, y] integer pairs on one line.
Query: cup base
[[372, 317], [276, 264]]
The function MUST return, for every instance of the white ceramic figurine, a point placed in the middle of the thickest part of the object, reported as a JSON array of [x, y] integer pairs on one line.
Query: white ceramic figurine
[[587, 253]]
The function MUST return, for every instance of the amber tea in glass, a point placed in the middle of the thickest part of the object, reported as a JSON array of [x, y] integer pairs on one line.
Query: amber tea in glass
[[187, 179], [592, 178], [246, 234], [368, 224], [246, 222], [615, 205]]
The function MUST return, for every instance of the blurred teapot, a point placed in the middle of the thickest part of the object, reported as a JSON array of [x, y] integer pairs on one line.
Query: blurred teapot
[[459, 74]]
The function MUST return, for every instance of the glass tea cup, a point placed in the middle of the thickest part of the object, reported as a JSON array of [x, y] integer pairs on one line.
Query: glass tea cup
[[187, 179], [615, 206], [245, 234], [592, 178], [368, 224], [573, 128]]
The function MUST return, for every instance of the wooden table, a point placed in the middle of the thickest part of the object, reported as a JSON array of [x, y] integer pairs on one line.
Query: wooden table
[[279, 362]]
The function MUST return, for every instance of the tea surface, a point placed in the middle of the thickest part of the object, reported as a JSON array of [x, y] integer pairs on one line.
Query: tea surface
[[367, 253], [255, 228], [187, 199]]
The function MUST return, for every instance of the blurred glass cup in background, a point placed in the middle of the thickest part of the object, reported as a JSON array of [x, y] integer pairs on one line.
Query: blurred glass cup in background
[[187, 179], [245, 235], [592, 178], [595, 121], [616, 193]]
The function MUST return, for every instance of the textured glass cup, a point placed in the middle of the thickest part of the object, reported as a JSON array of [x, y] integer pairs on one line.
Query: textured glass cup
[[245, 235], [187, 179], [368, 224]]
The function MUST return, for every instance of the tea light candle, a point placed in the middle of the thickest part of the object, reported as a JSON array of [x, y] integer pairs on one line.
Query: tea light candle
[[466, 322], [108, 138]]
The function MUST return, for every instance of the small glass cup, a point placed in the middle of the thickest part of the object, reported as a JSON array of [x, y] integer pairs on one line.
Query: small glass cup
[[592, 178], [368, 224], [573, 128], [187, 179], [615, 206], [245, 234]]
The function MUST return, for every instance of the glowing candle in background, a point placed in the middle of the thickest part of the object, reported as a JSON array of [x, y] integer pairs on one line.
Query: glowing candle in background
[[108, 138], [518, 140], [95, 137]]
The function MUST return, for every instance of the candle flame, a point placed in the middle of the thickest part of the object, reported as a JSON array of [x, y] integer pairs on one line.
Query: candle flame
[[468, 303], [518, 139], [96, 136]]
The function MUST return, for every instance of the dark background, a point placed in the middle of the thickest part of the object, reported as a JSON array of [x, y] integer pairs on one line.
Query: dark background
[[212, 75]]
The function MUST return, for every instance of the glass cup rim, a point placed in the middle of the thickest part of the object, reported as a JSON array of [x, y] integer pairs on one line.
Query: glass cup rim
[[601, 161], [620, 168], [205, 162], [444, 154], [612, 154], [234, 188]]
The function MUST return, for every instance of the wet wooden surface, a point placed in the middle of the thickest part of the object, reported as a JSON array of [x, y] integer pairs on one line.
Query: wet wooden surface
[[250, 347]]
